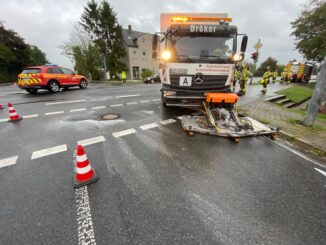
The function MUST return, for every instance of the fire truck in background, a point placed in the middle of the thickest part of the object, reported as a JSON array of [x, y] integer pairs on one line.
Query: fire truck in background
[[299, 72], [197, 55]]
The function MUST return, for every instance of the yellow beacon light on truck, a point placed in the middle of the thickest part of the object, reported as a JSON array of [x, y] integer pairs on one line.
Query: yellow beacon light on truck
[[185, 19], [166, 55]]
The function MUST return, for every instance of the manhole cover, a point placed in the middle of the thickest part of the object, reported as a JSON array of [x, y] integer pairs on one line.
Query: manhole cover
[[110, 116]]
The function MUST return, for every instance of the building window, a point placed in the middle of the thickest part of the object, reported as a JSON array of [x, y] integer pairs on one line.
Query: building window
[[144, 53], [135, 72]]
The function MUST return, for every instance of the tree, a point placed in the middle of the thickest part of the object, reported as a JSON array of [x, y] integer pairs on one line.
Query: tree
[[101, 22], [83, 53], [271, 62], [14, 54], [310, 31], [37, 56]]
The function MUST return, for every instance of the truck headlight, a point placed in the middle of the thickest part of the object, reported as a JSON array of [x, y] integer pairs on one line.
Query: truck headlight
[[166, 55]]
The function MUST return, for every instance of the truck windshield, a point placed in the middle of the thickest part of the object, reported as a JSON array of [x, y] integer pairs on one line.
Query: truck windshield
[[208, 49]]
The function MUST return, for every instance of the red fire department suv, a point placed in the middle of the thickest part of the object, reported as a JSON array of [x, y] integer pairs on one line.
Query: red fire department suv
[[50, 77]]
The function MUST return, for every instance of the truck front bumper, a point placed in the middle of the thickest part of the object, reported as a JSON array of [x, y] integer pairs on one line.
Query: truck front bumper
[[186, 98]]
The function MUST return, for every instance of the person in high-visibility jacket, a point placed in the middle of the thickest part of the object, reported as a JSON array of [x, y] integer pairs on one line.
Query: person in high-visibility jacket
[[275, 74], [123, 76], [236, 78], [245, 73], [284, 76], [290, 75], [265, 79]]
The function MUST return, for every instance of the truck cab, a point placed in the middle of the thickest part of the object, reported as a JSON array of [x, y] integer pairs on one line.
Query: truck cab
[[197, 53]]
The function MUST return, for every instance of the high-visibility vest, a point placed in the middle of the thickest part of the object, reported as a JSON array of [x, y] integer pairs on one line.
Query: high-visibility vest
[[123, 75]]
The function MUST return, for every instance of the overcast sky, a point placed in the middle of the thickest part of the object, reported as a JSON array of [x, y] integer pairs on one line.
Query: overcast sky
[[46, 23]]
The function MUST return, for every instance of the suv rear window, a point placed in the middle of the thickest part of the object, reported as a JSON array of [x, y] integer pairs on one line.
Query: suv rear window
[[31, 71]]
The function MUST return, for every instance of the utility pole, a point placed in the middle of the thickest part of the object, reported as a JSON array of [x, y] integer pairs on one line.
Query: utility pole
[[318, 96]]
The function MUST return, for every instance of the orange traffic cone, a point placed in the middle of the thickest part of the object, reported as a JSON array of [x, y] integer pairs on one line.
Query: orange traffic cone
[[84, 173], [13, 116]]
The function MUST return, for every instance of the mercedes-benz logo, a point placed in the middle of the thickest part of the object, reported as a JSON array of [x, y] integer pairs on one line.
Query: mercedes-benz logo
[[198, 78]]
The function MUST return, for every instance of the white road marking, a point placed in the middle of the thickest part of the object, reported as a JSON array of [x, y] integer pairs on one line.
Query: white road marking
[[54, 113], [127, 96], [86, 234], [49, 151], [148, 126], [91, 141], [296, 153], [65, 102], [156, 99], [8, 161], [4, 120], [321, 171], [116, 105], [124, 132], [144, 101], [75, 110], [132, 103], [30, 116], [168, 121], [98, 107]]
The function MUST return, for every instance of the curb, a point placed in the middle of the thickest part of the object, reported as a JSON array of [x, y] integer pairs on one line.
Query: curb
[[299, 141]]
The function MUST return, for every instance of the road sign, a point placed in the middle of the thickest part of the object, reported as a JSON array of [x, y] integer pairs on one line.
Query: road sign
[[258, 45]]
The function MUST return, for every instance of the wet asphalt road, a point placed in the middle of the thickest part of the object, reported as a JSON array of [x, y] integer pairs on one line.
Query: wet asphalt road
[[157, 186]]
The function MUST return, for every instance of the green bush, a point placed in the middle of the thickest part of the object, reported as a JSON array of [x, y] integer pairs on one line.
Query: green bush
[[146, 73]]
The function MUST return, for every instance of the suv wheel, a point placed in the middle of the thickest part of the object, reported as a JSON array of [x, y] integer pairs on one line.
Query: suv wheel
[[54, 86], [31, 90], [83, 84]]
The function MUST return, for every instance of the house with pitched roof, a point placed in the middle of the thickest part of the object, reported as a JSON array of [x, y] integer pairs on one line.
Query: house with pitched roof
[[139, 53]]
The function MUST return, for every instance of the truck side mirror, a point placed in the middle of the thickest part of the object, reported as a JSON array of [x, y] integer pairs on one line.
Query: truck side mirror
[[154, 55], [154, 42], [244, 44]]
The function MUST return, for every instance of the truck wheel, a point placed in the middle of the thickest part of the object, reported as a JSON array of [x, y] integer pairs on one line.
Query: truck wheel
[[31, 90], [83, 84], [53, 87]]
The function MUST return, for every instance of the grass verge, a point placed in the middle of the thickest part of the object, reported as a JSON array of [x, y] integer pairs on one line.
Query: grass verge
[[296, 93]]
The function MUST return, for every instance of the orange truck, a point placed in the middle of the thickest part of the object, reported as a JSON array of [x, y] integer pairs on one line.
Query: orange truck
[[49, 77]]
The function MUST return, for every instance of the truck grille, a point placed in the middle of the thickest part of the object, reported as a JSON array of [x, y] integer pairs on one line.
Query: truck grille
[[209, 83]]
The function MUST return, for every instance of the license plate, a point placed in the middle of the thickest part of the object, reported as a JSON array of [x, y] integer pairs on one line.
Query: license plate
[[185, 81]]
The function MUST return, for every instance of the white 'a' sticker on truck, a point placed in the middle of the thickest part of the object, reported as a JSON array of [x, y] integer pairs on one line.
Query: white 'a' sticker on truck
[[185, 81]]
